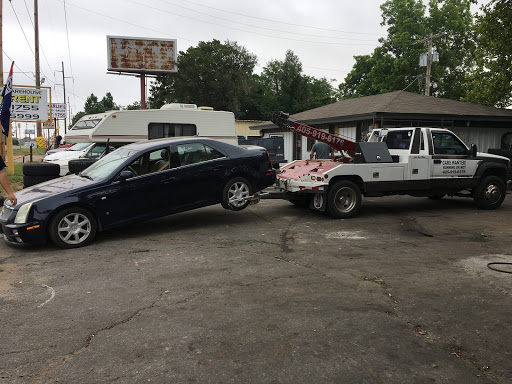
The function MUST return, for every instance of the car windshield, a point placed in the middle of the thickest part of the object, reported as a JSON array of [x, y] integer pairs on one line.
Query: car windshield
[[105, 166], [79, 147]]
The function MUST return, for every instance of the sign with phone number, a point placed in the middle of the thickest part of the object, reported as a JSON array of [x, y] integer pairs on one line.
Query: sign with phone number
[[29, 104]]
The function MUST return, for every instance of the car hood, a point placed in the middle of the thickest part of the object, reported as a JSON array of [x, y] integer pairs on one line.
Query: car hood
[[52, 188], [63, 155]]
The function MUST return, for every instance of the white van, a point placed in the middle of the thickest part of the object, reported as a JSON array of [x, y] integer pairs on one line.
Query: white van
[[171, 120]]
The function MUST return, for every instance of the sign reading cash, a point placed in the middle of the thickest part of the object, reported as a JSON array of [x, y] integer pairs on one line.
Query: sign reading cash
[[29, 104]]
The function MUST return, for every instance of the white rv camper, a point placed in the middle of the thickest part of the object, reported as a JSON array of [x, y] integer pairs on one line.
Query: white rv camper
[[171, 120]]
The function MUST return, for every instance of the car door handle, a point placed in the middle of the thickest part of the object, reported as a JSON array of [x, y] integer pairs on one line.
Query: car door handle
[[218, 167], [168, 180], [437, 161]]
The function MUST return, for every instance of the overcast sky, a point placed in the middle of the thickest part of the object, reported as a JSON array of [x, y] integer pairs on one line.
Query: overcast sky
[[324, 34]]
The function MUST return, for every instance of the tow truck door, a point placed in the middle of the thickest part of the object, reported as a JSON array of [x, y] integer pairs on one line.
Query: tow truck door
[[450, 157]]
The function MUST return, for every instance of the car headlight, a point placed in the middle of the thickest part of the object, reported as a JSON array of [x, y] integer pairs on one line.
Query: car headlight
[[21, 216]]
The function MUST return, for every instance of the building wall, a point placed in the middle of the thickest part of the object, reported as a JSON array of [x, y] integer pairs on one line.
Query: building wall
[[484, 138], [242, 127]]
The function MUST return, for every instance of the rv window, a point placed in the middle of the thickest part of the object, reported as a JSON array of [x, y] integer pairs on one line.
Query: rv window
[[161, 130], [86, 124]]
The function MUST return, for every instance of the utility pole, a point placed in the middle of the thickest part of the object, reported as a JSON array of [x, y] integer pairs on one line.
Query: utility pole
[[64, 86], [429, 40], [36, 52], [429, 66]]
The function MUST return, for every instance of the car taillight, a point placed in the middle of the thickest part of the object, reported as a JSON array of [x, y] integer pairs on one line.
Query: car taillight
[[270, 161]]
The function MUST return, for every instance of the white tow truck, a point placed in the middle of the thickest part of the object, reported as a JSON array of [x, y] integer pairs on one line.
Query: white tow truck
[[414, 161]]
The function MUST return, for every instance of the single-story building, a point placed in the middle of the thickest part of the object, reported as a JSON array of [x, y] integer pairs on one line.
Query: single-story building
[[243, 128], [487, 127]]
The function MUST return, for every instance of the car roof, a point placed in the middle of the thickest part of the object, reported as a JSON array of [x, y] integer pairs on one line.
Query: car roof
[[155, 143]]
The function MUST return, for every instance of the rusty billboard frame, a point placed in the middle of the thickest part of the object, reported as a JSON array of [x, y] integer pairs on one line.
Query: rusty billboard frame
[[141, 55]]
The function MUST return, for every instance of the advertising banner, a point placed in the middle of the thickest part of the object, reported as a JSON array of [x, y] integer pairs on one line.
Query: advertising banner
[[59, 111], [30, 104]]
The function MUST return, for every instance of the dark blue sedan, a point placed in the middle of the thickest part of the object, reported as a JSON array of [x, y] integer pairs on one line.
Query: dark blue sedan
[[137, 182]]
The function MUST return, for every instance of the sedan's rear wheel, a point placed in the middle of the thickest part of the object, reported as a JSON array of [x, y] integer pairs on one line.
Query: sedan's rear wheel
[[73, 228], [236, 193]]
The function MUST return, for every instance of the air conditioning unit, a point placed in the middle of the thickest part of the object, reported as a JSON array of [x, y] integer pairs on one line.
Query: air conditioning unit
[[179, 106]]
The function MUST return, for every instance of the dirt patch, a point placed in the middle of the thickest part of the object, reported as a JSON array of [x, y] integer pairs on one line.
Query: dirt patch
[[7, 276]]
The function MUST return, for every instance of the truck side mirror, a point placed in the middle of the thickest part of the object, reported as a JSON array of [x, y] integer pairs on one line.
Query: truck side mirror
[[472, 151]]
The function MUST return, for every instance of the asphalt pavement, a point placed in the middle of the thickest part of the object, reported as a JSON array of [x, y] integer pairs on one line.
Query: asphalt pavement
[[272, 294]]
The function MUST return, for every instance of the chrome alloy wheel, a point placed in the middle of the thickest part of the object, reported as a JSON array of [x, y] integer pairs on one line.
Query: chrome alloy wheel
[[492, 193], [345, 200], [238, 194], [74, 228]]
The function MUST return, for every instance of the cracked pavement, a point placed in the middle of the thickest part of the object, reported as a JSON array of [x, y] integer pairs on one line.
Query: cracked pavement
[[272, 294]]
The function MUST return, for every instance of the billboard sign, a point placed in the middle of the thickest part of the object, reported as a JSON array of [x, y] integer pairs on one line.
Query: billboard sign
[[29, 104], [59, 111], [141, 55]]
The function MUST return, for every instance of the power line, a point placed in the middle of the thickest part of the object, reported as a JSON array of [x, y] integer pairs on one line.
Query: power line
[[40, 45], [277, 21], [33, 73], [243, 30], [67, 36], [257, 26], [22, 30]]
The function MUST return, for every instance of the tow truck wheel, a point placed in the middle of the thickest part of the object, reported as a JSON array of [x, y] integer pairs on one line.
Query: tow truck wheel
[[343, 199], [490, 193], [235, 194]]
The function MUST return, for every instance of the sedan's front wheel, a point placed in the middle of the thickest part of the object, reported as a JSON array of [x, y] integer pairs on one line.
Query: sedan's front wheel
[[236, 193], [73, 228]]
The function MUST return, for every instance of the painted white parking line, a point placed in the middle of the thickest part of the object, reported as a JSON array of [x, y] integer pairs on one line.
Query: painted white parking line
[[52, 295]]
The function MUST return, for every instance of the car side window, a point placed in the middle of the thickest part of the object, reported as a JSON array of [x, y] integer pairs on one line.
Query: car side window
[[445, 143], [192, 153], [96, 151], [212, 153], [150, 162]]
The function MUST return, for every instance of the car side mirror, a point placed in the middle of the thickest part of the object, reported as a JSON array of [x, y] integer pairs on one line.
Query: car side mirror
[[472, 151], [125, 175]]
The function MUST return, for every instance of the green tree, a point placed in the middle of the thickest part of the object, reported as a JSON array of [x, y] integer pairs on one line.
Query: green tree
[[491, 81], [394, 65], [291, 90], [93, 106], [454, 21], [212, 74], [135, 105]]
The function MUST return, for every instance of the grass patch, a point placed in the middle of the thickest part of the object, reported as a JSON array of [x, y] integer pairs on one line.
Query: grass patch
[[26, 151]]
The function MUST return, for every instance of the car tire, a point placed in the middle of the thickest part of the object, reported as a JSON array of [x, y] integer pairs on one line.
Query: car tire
[[41, 169], [235, 189], [72, 228], [343, 199], [79, 165], [490, 193], [29, 181]]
